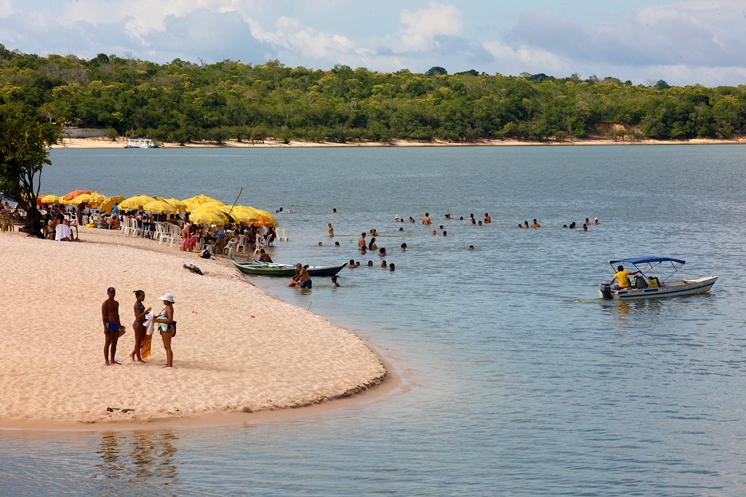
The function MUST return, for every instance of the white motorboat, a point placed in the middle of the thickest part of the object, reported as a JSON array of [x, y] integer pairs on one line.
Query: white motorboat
[[140, 143], [648, 286]]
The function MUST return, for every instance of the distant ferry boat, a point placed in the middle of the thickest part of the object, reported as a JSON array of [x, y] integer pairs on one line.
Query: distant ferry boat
[[140, 143]]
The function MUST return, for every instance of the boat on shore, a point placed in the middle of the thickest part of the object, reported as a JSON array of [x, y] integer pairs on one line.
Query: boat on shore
[[140, 143], [647, 286], [258, 268]]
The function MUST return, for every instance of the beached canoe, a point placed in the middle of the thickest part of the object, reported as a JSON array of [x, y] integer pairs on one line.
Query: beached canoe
[[258, 268]]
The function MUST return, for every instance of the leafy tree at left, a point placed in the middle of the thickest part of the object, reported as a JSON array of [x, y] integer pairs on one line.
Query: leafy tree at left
[[24, 144]]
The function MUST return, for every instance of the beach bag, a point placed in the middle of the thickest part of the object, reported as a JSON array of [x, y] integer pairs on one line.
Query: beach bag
[[205, 254], [653, 282]]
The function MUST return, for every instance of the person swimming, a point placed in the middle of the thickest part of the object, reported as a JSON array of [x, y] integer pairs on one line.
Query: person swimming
[[383, 264], [351, 265], [471, 247], [536, 224], [403, 247], [382, 252], [392, 267]]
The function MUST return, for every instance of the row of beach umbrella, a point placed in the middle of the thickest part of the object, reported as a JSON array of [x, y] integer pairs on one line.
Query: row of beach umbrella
[[202, 209]]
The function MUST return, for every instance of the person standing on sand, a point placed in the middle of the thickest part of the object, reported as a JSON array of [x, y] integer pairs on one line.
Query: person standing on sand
[[138, 327], [110, 317], [167, 327]]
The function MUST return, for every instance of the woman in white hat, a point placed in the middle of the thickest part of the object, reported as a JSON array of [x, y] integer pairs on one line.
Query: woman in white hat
[[167, 326]]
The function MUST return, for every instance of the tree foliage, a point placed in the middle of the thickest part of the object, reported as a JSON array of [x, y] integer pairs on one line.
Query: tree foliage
[[181, 102], [23, 154]]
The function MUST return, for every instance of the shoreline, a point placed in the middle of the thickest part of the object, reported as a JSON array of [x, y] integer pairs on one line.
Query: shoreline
[[105, 143], [242, 355]]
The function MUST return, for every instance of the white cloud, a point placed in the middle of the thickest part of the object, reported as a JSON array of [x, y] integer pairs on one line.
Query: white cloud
[[424, 25], [526, 58], [693, 34], [6, 8]]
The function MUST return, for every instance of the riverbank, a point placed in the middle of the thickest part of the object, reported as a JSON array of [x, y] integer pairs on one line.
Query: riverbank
[[78, 143], [237, 350]]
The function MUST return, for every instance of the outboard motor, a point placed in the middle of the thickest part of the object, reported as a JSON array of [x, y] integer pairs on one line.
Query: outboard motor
[[606, 291]]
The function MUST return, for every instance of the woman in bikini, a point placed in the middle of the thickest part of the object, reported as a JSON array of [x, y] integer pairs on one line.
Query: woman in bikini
[[167, 327], [138, 326]]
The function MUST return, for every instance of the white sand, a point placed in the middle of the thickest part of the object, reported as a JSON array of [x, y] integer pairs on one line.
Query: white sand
[[236, 349], [77, 143]]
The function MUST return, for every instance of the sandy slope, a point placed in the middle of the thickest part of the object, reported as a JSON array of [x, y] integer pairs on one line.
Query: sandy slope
[[236, 348]]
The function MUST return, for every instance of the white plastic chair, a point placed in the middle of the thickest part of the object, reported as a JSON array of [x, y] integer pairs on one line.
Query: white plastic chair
[[158, 231], [136, 230], [241, 243], [230, 248]]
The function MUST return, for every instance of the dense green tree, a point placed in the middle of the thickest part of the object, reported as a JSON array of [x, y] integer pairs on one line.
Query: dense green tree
[[181, 102], [24, 146]]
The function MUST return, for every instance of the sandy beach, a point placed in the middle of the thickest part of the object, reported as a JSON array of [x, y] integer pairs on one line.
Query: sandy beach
[[78, 143], [236, 349]]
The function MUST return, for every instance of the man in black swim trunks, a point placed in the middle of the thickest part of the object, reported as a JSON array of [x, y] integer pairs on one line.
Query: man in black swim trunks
[[110, 317]]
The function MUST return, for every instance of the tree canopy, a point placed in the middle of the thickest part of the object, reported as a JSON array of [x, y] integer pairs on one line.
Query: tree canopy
[[181, 101], [23, 154]]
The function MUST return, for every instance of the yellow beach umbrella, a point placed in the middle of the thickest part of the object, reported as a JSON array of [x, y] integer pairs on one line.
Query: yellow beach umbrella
[[110, 202], [196, 201], [240, 213], [159, 207], [208, 216], [135, 202], [85, 197], [180, 206], [97, 199], [50, 199]]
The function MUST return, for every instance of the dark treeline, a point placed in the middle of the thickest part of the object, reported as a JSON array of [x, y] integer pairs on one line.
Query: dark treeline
[[181, 101]]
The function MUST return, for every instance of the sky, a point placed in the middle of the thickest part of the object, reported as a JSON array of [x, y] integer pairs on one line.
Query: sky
[[682, 42]]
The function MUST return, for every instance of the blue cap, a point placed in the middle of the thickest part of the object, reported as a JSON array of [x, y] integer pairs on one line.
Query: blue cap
[[110, 290]]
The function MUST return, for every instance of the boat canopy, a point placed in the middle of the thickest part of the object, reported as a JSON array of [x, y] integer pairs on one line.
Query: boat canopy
[[647, 259]]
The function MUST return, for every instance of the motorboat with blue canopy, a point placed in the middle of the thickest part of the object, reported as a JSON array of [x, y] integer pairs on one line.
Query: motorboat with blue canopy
[[650, 283]]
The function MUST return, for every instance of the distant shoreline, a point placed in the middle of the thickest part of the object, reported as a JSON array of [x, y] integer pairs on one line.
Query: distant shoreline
[[83, 143]]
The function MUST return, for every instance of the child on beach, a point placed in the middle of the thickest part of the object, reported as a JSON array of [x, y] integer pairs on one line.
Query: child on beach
[[110, 317]]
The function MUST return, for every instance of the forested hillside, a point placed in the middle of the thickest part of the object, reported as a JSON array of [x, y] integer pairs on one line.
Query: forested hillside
[[182, 101]]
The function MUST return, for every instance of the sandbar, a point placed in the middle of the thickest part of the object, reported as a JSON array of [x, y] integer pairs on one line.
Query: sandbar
[[84, 143], [237, 350]]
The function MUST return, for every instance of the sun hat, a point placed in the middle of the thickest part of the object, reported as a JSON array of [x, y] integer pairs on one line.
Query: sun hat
[[169, 297]]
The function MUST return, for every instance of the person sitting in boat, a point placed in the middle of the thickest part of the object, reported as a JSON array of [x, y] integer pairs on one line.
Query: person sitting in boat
[[622, 278]]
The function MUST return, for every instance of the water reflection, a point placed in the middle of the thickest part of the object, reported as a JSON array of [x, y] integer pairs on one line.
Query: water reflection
[[138, 456]]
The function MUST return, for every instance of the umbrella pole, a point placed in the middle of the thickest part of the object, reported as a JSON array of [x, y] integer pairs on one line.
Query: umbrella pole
[[235, 201]]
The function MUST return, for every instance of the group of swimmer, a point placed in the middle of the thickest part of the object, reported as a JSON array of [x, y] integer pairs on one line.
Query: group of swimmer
[[585, 224], [427, 221], [144, 319]]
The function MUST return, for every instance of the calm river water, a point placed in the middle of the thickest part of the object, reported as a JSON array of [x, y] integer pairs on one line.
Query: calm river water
[[516, 379]]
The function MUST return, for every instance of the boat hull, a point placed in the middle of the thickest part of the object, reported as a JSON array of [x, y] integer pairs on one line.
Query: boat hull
[[677, 288], [284, 270]]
